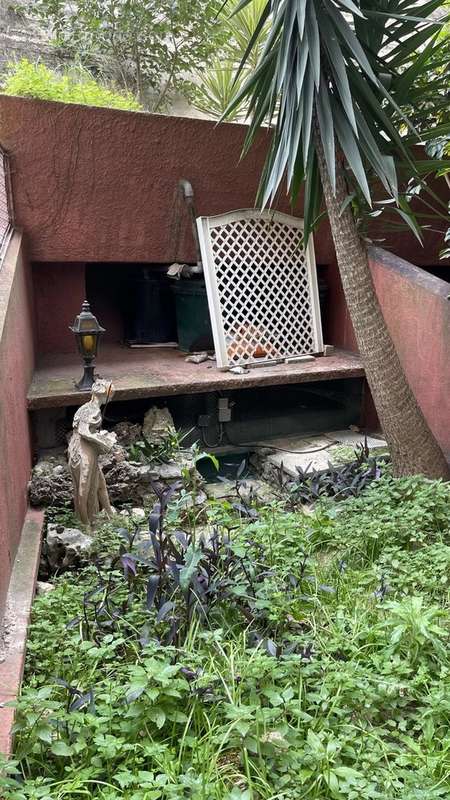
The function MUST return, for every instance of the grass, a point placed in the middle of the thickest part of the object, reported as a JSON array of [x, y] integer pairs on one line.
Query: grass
[[317, 666]]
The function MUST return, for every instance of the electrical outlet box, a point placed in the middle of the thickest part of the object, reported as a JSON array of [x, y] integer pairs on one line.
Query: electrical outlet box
[[204, 420], [224, 409]]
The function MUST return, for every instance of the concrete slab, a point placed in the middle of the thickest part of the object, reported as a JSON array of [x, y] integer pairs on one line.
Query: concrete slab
[[354, 438], [315, 452], [162, 372], [15, 624]]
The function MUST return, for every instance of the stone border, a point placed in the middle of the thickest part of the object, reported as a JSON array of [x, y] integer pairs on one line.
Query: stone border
[[13, 633]]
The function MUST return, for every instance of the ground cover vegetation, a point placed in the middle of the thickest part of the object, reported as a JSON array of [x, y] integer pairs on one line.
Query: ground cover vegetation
[[73, 85], [247, 653]]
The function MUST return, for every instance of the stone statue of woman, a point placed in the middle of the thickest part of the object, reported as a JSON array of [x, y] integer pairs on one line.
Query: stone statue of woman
[[88, 442]]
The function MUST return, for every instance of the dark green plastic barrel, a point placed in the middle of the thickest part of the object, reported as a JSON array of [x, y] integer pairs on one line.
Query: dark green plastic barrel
[[193, 321]]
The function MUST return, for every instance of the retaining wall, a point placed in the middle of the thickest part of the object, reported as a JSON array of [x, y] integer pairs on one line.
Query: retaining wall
[[416, 307], [16, 366]]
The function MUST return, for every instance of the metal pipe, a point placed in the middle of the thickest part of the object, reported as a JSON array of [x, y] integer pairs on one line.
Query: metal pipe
[[188, 195]]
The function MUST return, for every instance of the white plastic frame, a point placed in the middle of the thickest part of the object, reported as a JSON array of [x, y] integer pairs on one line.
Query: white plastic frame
[[304, 264]]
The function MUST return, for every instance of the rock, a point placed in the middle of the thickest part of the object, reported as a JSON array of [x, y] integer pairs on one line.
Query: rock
[[43, 588], [138, 514], [103, 514], [197, 358], [127, 481], [238, 370], [220, 491], [257, 491], [60, 470], [142, 543], [172, 471], [252, 490], [187, 500], [67, 547], [158, 425], [51, 483], [116, 455], [128, 433]]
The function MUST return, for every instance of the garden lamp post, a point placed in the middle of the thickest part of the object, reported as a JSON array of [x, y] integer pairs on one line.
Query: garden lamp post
[[87, 333]]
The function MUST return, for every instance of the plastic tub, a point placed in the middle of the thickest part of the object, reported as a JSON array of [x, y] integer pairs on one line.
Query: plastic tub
[[193, 321]]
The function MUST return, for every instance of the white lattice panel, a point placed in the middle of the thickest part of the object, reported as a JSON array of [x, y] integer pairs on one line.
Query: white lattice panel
[[6, 221], [261, 285]]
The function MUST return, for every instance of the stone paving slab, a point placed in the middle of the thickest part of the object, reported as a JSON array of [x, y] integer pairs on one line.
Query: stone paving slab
[[315, 452]]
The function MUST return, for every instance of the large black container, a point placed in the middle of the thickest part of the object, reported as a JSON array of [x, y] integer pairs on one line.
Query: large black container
[[193, 320], [150, 313]]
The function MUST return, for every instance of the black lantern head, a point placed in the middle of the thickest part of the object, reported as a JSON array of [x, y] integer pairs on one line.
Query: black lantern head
[[87, 333]]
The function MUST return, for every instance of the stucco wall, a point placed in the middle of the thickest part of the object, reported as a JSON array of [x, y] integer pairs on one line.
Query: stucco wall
[[59, 290], [16, 365], [95, 184], [417, 311]]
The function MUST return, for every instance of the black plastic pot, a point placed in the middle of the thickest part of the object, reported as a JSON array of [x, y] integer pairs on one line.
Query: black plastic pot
[[192, 313]]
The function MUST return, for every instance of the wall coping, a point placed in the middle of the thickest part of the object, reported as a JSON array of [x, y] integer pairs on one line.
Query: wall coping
[[15, 625], [7, 273], [411, 273], [176, 119]]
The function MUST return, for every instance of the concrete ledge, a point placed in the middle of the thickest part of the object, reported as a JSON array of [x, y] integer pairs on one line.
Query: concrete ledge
[[161, 372], [13, 633]]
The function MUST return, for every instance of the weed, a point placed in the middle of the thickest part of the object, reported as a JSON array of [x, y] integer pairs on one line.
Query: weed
[[287, 656]]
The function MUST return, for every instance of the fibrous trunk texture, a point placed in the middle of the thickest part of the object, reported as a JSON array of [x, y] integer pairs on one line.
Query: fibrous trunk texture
[[412, 446]]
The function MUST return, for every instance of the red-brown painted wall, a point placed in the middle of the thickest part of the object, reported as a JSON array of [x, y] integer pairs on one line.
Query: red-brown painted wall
[[99, 185], [95, 184], [16, 365], [59, 290], [417, 311]]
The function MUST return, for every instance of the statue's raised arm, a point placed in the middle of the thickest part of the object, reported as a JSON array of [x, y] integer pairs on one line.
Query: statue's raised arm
[[88, 442]]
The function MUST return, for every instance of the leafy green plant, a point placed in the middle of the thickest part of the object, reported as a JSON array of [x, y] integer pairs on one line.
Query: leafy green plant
[[161, 452], [414, 630], [340, 480], [26, 79], [412, 512], [151, 48], [309, 660], [423, 570], [218, 86], [217, 89]]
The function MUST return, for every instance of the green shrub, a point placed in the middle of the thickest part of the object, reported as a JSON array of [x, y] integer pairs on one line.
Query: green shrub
[[74, 86], [316, 667], [409, 513]]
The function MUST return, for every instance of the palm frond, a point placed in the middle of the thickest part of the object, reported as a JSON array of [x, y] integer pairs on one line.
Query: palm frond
[[342, 68]]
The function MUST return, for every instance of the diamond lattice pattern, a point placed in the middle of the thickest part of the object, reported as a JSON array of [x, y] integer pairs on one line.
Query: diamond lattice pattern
[[4, 215], [264, 290]]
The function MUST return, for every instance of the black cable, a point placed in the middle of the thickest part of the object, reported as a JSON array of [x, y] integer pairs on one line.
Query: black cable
[[220, 437], [274, 447]]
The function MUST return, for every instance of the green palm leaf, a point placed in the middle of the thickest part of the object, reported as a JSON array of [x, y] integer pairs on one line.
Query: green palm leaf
[[337, 71]]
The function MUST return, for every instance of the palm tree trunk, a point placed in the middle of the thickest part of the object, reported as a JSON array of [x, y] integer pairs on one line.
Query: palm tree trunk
[[412, 445]]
